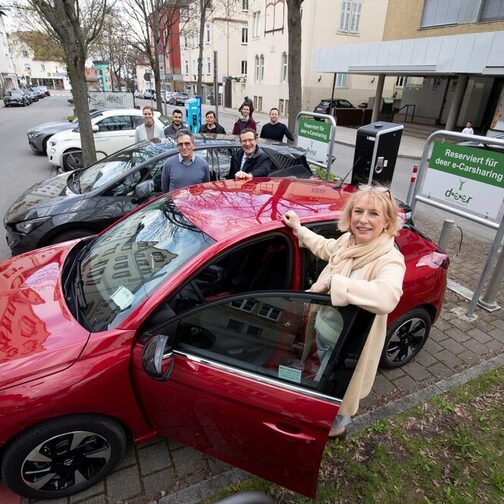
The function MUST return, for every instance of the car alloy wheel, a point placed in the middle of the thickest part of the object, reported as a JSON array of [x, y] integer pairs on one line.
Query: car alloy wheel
[[63, 456], [405, 338]]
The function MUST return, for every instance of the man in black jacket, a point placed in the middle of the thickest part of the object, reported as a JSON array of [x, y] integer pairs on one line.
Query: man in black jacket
[[251, 161], [276, 130]]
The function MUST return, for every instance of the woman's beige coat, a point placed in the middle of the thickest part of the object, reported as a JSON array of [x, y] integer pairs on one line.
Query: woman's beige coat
[[376, 287]]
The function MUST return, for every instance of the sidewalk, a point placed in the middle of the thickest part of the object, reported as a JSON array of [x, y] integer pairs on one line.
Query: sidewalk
[[457, 350]]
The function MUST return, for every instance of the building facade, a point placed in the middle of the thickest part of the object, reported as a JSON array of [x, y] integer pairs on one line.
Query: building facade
[[37, 62], [8, 78]]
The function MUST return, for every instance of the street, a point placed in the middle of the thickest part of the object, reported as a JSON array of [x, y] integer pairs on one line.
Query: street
[[22, 168]]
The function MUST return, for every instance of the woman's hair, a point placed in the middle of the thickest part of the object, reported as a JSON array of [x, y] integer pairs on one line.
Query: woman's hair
[[378, 195]]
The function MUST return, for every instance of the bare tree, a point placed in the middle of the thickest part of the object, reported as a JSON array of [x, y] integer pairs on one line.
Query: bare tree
[[74, 25], [294, 70], [206, 7], [152, 23]]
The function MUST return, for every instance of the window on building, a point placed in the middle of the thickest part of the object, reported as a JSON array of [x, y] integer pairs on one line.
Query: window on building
[[350, 16], [400, 81], [185, 42], [274, 14], [186, 66], [27, 66], [194, 66], [207, 33], [243, 67], [184, 14], [284, 67], [24, 53], [261, 67], [281, 106], [42, 67], [255, 103], [244, 37], [259, 103], [256, 20], [492, 10], [441, 12], [341, 80], [245, 5], [257, 68], [209, 66]]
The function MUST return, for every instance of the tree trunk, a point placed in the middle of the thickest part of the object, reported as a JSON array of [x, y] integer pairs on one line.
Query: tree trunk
[[294, 70], [203, 9]]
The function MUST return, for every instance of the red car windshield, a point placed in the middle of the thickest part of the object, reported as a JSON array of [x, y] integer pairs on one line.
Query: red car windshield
[[120, 269]]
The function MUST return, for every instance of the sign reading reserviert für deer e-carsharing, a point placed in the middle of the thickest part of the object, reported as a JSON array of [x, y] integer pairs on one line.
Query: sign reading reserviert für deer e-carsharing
[[315, 137], [466, 177]]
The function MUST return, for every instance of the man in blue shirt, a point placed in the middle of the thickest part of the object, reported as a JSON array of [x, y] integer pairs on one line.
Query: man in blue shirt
[[186, 168]]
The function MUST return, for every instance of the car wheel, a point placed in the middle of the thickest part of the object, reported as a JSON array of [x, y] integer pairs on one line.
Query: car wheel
[[44, 145], [62, 457], [405, 338], [71, 234], [72, 160]]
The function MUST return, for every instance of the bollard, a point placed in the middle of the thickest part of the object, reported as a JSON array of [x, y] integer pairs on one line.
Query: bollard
[[444, 237], [412, 184], [488, 300]]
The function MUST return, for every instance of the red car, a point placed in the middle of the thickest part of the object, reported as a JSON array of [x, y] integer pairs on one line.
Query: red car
[[188, 318]]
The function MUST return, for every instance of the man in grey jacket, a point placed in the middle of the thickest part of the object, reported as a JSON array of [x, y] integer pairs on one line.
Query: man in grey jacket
[[186, 168], [150, 129]]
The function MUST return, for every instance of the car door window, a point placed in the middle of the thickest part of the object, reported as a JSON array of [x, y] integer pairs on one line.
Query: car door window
[[222, 161], [278, 337], [116, 123], [313, 265], [126, 187]]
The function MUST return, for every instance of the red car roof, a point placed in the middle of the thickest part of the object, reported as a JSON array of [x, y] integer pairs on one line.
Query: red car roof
[[227, 207]]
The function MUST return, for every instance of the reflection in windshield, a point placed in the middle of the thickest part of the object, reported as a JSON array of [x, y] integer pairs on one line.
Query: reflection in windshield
[[103, 172], [124, 266]]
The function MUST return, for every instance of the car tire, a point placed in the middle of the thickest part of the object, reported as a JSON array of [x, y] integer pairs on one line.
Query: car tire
[[405, 338], [72, 160], [70, 234], [44, 145], [58, 457]]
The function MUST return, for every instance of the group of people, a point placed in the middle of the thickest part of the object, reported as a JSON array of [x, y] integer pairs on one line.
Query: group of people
[[364, 268]]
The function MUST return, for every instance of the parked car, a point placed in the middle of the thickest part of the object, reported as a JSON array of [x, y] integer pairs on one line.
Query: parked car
[[33, 96], [44, 90], [84, 202], [113, 130], [178, 98], [38, 136], [149, 94], [166, 95], [15, 97], [325, 105], [188, 319]]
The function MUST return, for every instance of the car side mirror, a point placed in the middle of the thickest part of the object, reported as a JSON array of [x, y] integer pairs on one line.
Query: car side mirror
[[157, 357], [96, 128], [143, 190]]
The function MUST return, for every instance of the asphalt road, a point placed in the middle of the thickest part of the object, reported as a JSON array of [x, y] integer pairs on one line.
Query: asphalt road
[[21, 168]]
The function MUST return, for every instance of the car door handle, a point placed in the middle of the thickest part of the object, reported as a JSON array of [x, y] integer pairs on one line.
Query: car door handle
[[296, 435]]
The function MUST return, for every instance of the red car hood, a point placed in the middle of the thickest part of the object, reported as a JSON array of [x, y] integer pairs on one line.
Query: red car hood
[[38, 334]]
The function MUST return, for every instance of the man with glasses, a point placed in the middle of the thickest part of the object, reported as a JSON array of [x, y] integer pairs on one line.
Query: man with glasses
[[251, 161], [186, 168]]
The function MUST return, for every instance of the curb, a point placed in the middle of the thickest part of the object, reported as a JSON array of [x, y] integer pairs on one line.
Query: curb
[[195, 493]]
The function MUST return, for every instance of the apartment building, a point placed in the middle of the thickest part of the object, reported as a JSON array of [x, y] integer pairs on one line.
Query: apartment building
[[325, 23], [8, 78], [445, 54], [38, 60]]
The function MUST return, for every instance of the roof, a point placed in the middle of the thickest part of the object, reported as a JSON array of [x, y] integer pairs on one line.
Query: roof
[[228, 208], [470, 53]]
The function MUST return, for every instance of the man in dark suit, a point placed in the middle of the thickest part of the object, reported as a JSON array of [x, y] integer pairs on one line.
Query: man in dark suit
[[250, 161]]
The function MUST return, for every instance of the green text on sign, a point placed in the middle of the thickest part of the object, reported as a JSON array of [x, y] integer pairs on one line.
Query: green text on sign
[[469, 162], [315, 130]]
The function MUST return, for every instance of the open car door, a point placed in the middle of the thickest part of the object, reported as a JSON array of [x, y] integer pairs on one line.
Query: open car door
[[242, 380]]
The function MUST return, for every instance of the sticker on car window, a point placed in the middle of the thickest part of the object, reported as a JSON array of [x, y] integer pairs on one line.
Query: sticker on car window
[[122, 297], [289, 373]]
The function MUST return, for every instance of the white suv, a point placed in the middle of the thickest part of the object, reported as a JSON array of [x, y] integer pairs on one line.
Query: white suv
[[113, 130]]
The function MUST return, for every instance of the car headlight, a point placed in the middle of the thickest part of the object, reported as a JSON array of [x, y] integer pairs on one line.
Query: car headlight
[[28, 226]]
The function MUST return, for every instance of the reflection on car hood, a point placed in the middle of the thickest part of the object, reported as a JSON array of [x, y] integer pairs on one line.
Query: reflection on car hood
[[36, 200], [38, 335], [53, 126]]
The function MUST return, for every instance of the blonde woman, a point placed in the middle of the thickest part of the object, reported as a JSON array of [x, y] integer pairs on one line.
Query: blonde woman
[[364, 269]]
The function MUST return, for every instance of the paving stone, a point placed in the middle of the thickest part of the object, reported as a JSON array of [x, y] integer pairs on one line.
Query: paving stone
[[392, 374], [457, 334], [425, 358], [95, 490], [217, 466], [476, 347], [470, 358], [383, 385], [479, 335], [495, 345], [439, 370], [123, 484], [442, 324], [98, 499], [463, 325], [450, 360], [499, 323], [437, 335], [432, 347], [497, 334], [451, 345], [173, 445], [188, 461], [130, 457], [405, 384], [157, 483], [417, 371], [154, 458]]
